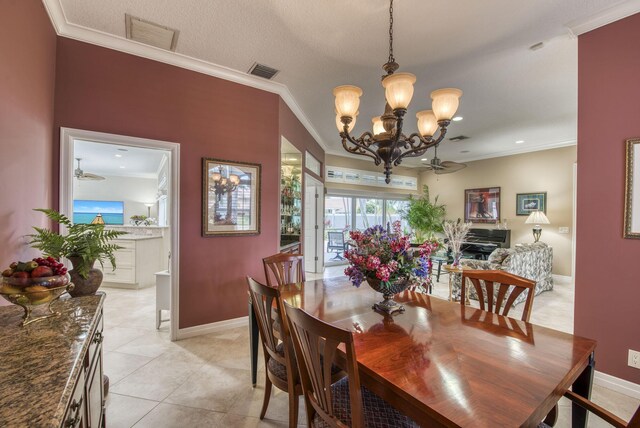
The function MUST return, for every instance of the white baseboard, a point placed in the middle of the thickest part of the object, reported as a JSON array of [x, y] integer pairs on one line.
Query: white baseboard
[[616, 384], [213, 327], [562, 279]]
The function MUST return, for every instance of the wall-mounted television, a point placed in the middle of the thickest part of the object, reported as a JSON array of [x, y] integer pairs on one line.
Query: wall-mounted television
[[84, 211]]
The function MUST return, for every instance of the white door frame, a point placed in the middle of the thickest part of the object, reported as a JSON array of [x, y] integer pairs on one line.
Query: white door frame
[[319, 214], [68, 135]]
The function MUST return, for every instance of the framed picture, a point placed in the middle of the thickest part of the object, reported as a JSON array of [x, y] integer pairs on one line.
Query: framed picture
[[528, 202], [230, 198], [482, 205], [632, 190]]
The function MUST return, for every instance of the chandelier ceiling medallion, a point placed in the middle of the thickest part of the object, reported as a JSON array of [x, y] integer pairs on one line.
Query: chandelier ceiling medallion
[[387, 144], [222, 184]]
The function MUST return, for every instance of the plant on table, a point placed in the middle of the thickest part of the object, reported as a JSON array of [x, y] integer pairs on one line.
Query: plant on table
[[83, 243], [387, 257]]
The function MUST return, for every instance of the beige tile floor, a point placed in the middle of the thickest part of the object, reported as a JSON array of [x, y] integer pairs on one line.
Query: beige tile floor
[[205, 381]]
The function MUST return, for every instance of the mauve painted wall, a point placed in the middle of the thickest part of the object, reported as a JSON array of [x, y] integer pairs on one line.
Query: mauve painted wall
[[607, 274], [103, 90], [27, 78]]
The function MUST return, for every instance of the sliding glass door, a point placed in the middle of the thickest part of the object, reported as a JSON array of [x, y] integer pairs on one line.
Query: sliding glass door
[[350, 212]]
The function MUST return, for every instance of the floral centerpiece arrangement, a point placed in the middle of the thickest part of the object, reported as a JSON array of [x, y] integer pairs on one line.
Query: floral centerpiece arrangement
[[455, 233], [386, 260], [142, 220]]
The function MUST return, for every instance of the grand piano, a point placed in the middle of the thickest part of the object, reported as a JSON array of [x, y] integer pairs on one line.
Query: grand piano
[[479, 243]]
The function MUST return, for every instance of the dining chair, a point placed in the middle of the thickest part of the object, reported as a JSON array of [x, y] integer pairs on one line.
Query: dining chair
[[602, 413], [499, 285], [344, 403], [284, 268], [280, 366]]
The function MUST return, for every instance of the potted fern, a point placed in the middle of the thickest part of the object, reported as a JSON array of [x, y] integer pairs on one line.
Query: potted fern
[[82, 245], [424, 217]]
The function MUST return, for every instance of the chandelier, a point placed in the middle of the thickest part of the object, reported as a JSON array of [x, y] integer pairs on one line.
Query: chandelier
[[222, 184], [387, 144]]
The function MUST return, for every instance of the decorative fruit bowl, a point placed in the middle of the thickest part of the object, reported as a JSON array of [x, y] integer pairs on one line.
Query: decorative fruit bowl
[[29, 292]]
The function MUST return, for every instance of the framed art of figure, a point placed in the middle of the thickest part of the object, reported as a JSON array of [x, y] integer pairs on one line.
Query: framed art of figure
[[230, 198], [632, 190], [482, 205], [528, 202]]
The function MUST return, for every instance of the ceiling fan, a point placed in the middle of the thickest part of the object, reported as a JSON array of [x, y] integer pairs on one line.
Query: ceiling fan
[[443, 167], [81, 175]]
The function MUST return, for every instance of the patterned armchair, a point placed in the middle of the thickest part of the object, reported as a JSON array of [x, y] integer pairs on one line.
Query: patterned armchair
[[531, 261]]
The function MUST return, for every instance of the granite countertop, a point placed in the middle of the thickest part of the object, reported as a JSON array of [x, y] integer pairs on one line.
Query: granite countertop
[[39, 363]]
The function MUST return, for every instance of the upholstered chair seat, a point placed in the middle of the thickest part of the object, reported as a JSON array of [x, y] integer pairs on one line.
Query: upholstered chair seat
[[377, 412]]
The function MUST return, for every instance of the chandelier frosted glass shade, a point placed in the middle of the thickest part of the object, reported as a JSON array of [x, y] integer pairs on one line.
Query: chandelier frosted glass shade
[[398, 89], [445, 102], [427, 123], [377, 125], [347, 100]]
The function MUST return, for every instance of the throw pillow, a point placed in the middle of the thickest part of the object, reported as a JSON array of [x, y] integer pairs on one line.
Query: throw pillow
[[498, 255]]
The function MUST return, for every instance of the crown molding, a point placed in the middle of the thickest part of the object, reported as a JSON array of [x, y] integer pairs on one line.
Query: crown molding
[[607, 16], [77, 32]]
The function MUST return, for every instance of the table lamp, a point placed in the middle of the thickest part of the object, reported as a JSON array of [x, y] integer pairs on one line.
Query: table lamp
[[537, 218]]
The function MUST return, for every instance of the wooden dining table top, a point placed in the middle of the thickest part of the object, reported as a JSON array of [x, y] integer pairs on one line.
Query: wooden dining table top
[[445, 364]]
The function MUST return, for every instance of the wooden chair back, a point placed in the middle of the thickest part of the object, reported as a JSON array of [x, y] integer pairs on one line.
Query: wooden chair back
[[315, 344], [284, 268], [507, 285], [265, 300]]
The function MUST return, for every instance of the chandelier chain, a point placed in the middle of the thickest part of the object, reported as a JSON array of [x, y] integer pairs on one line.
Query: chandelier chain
[[391, 58]]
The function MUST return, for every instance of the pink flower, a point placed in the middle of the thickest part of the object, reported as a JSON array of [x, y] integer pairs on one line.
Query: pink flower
[[382, 273], [372, 262], [397, 227]]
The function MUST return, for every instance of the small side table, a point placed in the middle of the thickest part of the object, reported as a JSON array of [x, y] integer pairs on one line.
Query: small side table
[[456, 269]]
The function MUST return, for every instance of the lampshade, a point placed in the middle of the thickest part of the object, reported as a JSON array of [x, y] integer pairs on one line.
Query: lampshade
[[234, 179], [399, 89], [340, 125], [216, 176], [537, 217], [427, 123], [347, 100], [445, 102], [378, 127]]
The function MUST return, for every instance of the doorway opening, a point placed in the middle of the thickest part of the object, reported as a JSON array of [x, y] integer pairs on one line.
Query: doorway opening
[[132, 184], [313, 228]]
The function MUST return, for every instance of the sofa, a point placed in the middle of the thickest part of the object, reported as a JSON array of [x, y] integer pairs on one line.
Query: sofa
[[531, 261]]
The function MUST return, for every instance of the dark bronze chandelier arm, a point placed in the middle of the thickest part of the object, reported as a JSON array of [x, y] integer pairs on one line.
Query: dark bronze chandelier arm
[[360, 150]]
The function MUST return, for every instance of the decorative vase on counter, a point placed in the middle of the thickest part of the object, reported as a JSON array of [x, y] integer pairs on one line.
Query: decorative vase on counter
[[84, 286]]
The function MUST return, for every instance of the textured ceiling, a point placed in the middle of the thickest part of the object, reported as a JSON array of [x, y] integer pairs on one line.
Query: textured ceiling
[[510, 92]]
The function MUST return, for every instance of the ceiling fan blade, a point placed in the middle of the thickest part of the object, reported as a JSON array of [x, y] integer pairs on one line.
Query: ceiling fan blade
[[450, 167], [89, 176]]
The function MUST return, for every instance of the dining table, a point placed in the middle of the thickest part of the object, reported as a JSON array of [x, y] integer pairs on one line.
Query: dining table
[[446, 364]]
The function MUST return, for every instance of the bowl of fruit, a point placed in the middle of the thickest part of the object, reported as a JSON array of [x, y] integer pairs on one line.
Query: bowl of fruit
[[35, 283]]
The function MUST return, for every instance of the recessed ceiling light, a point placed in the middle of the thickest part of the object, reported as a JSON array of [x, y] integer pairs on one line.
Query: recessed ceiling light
[[118, 156], [424, 159], [457, 119], [519, 141], [121, 166]]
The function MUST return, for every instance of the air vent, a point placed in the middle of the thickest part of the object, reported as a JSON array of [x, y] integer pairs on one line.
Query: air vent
[[263, 71], [149, 33], [459, 138]]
